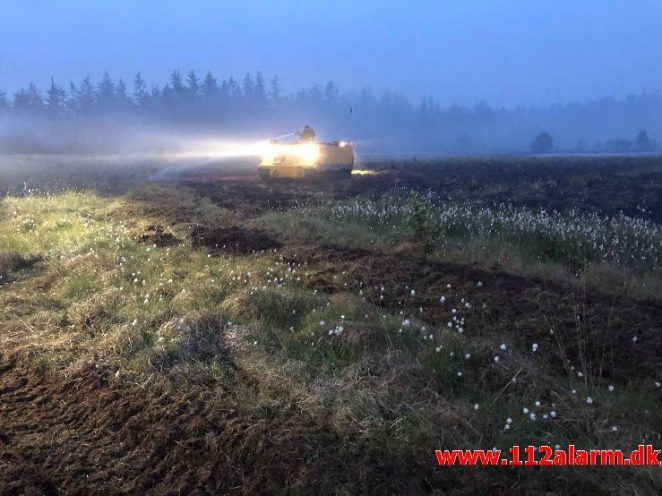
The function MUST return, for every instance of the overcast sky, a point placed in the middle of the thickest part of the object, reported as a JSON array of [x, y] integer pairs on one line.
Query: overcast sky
[[509, 52]]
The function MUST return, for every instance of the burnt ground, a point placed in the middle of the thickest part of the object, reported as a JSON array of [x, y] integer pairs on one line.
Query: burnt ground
[[156, 235], [523, 307], [234, 240], [632, 185], [608, 184], [87, 433]]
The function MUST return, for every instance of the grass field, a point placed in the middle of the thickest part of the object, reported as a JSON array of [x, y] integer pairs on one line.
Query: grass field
[[209, 333]]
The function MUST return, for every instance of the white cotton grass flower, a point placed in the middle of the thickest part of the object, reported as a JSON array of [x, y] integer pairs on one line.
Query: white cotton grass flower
[[476, 406], [442, 299], [532, 416], [509, 420], [537, 403], [610, 388], [589, 400], [534, 347], [552, 414], [503, 347], [525, 410], [496, 359]]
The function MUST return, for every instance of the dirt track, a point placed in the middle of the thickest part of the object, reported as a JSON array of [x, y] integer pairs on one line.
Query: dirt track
[[87, 435]]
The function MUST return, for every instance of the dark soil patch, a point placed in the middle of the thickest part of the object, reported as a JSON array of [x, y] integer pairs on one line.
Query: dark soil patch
[[249, 198], [595, 327], [11, 264], [156, 235], [233, 240]]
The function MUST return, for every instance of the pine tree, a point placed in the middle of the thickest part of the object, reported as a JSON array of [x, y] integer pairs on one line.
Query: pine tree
[[140, 96], [247, 87], [85, 96], [28, 100], [55, 102], [193, 84], [234, 91], [176, 83], [210, 87], [274, 93], [106, 92], [122, 100], [259, 92]]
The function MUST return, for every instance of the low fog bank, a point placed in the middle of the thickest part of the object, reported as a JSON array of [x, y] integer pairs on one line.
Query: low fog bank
[[109, 174], [118, 134], [186, 115]]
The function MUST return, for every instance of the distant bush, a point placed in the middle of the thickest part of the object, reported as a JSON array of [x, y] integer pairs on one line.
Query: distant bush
[[543, 143]]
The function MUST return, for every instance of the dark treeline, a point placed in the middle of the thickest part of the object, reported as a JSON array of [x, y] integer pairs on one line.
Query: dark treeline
[[107, 114]]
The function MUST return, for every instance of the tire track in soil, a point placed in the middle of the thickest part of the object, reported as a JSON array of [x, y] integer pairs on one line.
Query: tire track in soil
[[86, 434]]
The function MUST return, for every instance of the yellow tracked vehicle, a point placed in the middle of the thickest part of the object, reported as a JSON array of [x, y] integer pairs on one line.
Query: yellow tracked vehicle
[[306, 159]]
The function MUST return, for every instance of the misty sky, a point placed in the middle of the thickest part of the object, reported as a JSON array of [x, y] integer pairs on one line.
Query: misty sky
[[509, 52]]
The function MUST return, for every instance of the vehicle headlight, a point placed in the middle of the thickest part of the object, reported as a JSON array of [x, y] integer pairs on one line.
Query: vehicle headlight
[[310, 153]]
